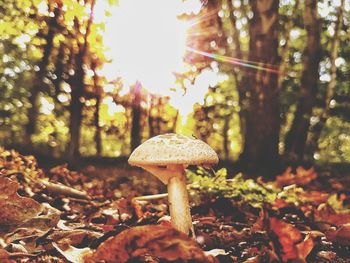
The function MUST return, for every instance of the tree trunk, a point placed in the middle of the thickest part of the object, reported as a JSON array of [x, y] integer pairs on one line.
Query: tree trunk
[[98, 130], [136, 117], [260, 154], [38, 82], [316, 130], [150, 116], [76, 105], [226, 141], [296, 138], [239, 80], [284, 49]]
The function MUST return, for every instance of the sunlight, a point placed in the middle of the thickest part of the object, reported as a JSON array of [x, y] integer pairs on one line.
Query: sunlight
[[146, 43]]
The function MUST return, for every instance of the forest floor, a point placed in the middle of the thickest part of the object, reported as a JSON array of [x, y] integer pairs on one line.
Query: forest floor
[[58, 215]]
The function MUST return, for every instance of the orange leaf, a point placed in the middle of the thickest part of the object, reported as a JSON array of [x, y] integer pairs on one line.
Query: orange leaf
[[301, 177], [325, 213], [314, 197], [14, 208], [5, 256], [163, 242], [340, 236], [290, 240]]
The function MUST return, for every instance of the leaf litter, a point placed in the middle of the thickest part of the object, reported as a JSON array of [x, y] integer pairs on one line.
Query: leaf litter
[[66, 216]]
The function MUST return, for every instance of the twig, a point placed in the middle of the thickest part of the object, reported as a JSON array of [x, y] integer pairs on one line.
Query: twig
[[52, 187], [149, 197], [154, 197], [65, 190]]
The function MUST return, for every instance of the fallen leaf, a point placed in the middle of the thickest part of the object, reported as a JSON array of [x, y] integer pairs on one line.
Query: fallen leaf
[[291, 245], [114, 212], [302, 176], [72, 254], [341, 236], [163, 242], [74, 237], [329, 255], [325, 213], [15, 209], [48, 218], [4, 257], [304, 248], [314, 197]]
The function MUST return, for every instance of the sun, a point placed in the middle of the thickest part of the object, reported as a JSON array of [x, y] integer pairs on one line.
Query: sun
[[146, 42]]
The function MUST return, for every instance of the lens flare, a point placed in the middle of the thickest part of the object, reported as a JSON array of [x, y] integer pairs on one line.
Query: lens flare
[[239, 62]]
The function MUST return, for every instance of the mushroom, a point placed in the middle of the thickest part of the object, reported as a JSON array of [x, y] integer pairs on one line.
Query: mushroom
[[166, 156]]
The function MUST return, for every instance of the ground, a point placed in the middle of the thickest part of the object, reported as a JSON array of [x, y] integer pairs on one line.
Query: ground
[[58, 215]]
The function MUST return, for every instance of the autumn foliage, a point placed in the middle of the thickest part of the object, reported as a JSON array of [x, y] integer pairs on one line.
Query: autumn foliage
[[255, 221]]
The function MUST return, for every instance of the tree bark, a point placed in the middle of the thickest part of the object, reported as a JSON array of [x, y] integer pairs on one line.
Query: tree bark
[[316, 130], [260, 154], [239, 81], [38, 82], [295, 142], [98, 97], [284, 49], [76, 105], [226, 142], [150, 116], [136, 117]]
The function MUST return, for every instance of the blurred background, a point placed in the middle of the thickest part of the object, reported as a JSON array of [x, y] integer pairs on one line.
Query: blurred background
[[265, 83]]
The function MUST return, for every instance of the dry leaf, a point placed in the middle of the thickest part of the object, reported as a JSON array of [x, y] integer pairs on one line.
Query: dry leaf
[[340, 236], [301, 177], [4, 257], [14, 208], [47, 219], [325, 213], [163, 242], [291, 242], [72, 254], [314, 197]]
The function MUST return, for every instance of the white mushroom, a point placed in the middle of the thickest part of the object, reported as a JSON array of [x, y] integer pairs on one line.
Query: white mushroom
[[166, 156]]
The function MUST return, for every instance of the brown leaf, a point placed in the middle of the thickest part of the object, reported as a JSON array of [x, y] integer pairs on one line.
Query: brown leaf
[[325, 213], [4, 257], [14, 208], [114, 212], [329, 255], [74, 237], [47, 219], [72, 254], [340, 236], [290, 240], [301, 177], [314, 197], [163, 242]]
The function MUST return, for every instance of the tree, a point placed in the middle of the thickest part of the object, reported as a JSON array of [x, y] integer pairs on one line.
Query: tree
[[295, 142], [78, 85], [260, 153], [53, 27], [98, 96], [136, 116], [334, 51]]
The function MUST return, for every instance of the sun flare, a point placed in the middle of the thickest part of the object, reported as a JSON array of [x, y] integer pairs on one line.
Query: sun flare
[[146, 42]]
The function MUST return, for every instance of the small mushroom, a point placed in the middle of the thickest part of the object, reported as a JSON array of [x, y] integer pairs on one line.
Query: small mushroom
[[166, 156]]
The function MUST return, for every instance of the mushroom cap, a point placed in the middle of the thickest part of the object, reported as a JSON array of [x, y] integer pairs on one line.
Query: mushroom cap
[[173, 148]]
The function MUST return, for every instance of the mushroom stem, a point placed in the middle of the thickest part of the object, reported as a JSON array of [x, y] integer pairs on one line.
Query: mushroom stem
[[178, 204]]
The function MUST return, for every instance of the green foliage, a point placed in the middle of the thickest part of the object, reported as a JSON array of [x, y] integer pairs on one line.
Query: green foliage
[[239, 189]]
